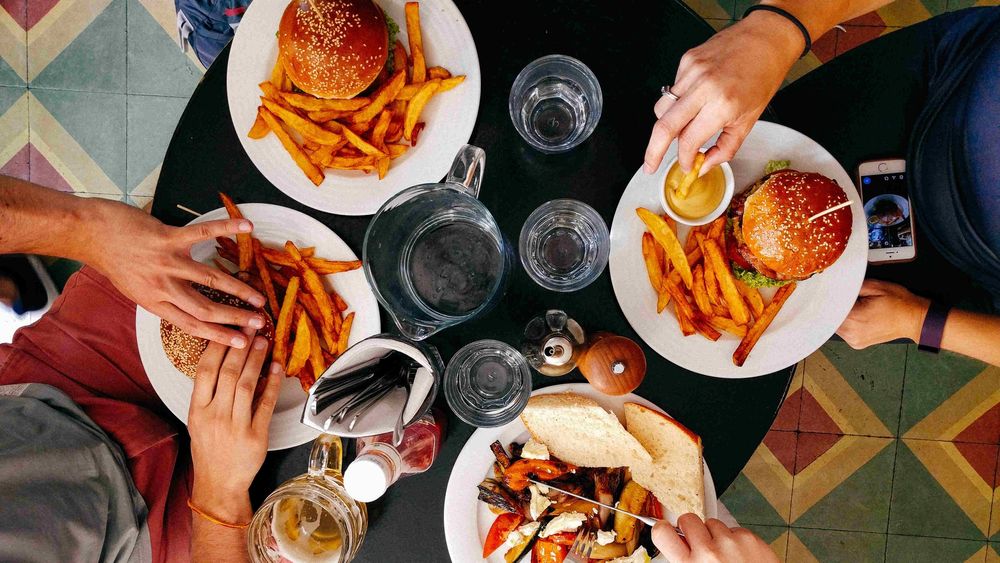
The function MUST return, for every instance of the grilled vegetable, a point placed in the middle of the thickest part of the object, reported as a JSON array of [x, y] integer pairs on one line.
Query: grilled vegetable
[[515, 450], [606, 485], [609, 551], [501, 454], [515, 553], [548, 552], [501, 528], [627, 528], [494, 494], [516, 476]]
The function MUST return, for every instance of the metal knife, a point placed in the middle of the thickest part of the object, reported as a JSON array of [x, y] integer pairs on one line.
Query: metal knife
[[649, 521]]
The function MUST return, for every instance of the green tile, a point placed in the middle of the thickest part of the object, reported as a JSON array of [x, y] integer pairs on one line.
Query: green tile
[[861, 502], [151, 124], [718, 9], [96, 121], [875, 373], [916, 549], [7, 75], [922, 507], [993, 553], [9, 95], [156, 64], [740, 6], [930, 380], [772, 535], [94, 61], [749, 506], [962, 4], [832, 546]]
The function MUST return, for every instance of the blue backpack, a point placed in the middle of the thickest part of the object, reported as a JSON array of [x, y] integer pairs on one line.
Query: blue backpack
[[207, 26]]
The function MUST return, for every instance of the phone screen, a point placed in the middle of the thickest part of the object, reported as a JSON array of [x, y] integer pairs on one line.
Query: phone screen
[[887, 210]]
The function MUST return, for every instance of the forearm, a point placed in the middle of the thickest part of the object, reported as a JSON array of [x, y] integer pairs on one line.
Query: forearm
[[211, 542], [973, 334], [37, 220], [819, 16]]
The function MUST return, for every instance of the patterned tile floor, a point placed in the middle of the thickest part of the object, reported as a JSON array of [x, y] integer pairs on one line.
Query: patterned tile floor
[[885, 454]]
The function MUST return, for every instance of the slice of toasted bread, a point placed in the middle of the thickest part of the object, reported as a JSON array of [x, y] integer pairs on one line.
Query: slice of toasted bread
[[676, 473], [577, 430]]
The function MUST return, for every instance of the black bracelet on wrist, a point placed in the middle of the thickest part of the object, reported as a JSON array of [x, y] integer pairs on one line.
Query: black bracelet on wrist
[[788, 16]]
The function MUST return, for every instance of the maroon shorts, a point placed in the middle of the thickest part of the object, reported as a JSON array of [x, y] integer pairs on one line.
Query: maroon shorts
[[85, 346]]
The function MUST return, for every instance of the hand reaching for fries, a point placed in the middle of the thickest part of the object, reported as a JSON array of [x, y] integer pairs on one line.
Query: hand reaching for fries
[[151, 264]]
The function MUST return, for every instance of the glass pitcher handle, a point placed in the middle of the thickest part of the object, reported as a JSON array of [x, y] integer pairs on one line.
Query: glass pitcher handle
[[467, 169], [327, 454]]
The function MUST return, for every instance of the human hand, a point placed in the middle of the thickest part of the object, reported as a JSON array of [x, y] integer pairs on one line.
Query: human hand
[[151, 264], [723, 84], [228, 427], [710, 542], [884, 311]]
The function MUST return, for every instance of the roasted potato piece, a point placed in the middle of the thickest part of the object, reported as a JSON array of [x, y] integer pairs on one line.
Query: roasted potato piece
[[633, 499]]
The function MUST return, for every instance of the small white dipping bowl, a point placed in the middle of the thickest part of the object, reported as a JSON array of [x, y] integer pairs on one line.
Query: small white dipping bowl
[[727, 196]]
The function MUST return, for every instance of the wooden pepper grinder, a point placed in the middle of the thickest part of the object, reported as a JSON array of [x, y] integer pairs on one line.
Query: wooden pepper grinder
[[613, 364]]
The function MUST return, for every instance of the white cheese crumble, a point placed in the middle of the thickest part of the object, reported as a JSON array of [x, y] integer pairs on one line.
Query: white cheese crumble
[[604, 538], [638, 556], [519, 535], [539, 502], [565, 522], [534, 450]]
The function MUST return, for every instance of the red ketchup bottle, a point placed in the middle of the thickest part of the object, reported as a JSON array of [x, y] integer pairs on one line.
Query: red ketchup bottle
[[379, 464]]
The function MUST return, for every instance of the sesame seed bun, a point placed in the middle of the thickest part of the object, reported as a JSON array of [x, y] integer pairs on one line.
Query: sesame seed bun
[[333, 48], [185, 350], [776, 230]]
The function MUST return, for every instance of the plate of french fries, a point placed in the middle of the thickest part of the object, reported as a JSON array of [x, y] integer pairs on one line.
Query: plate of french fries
[[350, 156], [677, 290], [318, 299]]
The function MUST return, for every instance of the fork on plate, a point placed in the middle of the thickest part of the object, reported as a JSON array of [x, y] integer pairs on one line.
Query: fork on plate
[[582, 546]]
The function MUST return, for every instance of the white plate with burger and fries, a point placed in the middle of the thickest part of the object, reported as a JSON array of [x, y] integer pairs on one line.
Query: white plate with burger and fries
[[657, 459], [307, 341], [357, 111], [804, 231]]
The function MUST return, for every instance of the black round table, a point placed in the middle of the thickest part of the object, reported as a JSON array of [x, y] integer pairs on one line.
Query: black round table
[[633, 48]]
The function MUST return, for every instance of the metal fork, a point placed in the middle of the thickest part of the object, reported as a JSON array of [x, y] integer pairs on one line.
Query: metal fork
[[582, 546]]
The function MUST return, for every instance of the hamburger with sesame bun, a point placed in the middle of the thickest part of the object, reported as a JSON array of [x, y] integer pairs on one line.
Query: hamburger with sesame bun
[[185, 350], [334, 48], [772, 242]]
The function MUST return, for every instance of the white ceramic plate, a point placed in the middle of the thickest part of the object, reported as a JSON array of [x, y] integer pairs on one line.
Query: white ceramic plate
[[273, 225], [810, 316], [467, 520], [450, 116]]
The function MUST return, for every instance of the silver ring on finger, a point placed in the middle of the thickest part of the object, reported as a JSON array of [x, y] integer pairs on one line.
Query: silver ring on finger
[[665, 91]]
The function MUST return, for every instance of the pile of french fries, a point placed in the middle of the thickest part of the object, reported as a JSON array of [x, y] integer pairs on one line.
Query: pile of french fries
[[696, 276], [363, 133], [310, 326]]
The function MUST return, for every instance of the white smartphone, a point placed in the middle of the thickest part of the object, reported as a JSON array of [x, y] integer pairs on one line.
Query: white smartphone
[[888, 211]]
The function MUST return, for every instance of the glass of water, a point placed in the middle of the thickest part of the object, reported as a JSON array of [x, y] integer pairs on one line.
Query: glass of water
[[555, 103], [487, 383], [564, 245]]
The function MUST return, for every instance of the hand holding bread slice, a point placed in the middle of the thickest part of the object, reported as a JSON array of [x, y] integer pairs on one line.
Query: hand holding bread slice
[[663, 456]]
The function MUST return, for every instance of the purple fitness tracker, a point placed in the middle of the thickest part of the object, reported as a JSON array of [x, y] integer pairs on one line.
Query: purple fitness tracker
[[933, 329]]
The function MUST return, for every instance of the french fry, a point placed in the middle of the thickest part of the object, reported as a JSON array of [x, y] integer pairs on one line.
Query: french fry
[[364, 146], [752, 297], [728, 325], [271, 91], [692, 242], [438, 72], [396, 151], [311, 170], [682, 309], [243, 240], [381, 128], [684, 188], [309, 103], [309, 130], [259, 129], [712, 285], [339, 301], [417, 129], [300, 349], [416, 106], [381, 98], [668, 240], [412, 11], [716, 229], [411, 89], [314, 285], [328, 115], [399, 57], [319, 265], [345, 334], [315, 349], [652, 264], [734, 301], [700, 292], [694, 318], [760, 325], [449, 83], [284, 324], [277, 71], [363, 163], [265, 277]]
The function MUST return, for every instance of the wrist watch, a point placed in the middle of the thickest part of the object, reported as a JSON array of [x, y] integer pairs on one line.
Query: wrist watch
[[933, 328]]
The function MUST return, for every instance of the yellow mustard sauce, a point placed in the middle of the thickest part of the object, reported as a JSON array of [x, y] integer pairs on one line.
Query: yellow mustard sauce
[[704, 196]]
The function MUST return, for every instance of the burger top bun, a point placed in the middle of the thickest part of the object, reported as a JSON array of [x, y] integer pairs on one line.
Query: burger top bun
[[777, 230], [333, 48]]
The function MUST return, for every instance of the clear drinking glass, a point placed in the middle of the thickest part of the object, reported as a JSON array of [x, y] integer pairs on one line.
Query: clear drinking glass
[[564, 245], [310, 517], [434, 254], [555, 103], [487, 383]]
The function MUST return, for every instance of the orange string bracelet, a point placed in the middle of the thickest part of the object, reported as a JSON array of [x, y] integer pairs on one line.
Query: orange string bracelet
[[215, 520]]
